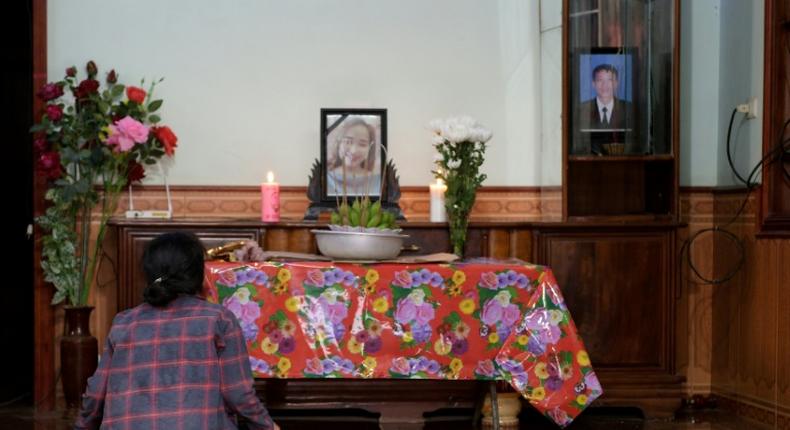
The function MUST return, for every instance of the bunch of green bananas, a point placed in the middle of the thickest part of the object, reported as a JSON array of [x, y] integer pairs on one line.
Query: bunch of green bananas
[[363, 213]]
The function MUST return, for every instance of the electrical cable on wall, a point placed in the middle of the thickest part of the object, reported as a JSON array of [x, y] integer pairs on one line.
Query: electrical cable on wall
[[781, 153]]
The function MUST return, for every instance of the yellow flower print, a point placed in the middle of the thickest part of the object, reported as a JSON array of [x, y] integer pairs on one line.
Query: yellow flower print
[[293, 304], [581, 399], [282, 375], [456, 365], [381, 305], [284, 364], [467, 306], [370, 289], [454, 290], [538, 394], [269, 347], [369, 363], [582, 358], [540, 371], [493, 338], [372, 276], [280, 288], [459, 277], [442, 347], [354, 347], [555, 316], [523, 340], [407, 337], [284, 275]]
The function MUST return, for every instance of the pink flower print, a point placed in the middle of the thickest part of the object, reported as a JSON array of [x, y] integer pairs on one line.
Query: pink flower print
[[510, 315], [485, 368], [406, 311], [314, 366], [559, 416], [550, 334], [424, 314], [492, 312], [126, 132], [246, 313], [401, 366], [537, 319], [315, 277], [489, 280], [227, 277], [336, 312], [592, 382], [276, 336], [403, 279]]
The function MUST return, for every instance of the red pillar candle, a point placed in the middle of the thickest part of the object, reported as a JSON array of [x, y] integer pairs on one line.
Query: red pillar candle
[[270, 199]]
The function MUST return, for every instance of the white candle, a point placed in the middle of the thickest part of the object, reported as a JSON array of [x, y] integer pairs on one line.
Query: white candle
[[438, 212]]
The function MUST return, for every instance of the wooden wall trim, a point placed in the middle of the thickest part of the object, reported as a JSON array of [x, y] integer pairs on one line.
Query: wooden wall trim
[[44, 380]]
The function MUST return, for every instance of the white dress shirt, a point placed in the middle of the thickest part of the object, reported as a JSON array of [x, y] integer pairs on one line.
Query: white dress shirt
[[608, 116]]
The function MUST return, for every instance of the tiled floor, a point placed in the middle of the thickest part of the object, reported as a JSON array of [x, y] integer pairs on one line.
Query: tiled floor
[[22, 418]]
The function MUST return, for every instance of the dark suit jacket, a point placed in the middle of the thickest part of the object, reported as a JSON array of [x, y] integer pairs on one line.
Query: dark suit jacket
[[589, 116]]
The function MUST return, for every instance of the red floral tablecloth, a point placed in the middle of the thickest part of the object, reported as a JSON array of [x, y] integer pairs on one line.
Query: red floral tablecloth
[[431, 321]]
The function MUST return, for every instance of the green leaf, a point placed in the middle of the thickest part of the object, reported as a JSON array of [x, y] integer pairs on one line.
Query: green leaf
[[117, 90], [154, 119], [154, 105]]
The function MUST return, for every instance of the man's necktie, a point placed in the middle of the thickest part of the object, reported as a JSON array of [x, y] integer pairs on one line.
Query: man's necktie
[[604, 119]]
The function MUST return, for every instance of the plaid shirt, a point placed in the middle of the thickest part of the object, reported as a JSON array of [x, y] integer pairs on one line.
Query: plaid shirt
[[184, 366]]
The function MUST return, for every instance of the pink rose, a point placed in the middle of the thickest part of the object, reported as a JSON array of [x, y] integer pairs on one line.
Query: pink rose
[[424, 314], [550, 334], [313, 366], [485, 367], [227, 277], [489, 280], [559, 416], [492, 312], [246, 313], [336, 312], [401, 366], [402, 278], [510, 315], [406, 311], [126, 132], [315, 277]]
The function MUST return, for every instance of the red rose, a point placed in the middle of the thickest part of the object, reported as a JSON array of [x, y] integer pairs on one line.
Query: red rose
[[49, 164], [112, 77], [135, 94], [86, 88], [71, 72], [167, 137], [40, 145], [135, 172], [54, 113], [50, 91]]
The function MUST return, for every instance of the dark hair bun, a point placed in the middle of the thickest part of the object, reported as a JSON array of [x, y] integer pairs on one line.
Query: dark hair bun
[[173, 265]]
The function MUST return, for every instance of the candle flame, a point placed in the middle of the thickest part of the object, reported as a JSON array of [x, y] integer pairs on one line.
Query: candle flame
[[270, 177], [439, 181]]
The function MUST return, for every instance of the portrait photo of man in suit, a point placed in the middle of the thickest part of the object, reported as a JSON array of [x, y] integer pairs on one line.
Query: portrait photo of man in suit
[[605, 110]]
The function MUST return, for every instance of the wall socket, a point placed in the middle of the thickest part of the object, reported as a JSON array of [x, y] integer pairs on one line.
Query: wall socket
[[749, 108]]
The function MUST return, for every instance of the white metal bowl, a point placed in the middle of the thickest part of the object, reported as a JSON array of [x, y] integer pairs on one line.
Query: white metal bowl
[[346, 245]]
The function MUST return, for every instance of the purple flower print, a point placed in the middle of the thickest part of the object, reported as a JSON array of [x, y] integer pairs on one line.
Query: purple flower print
[[339, 330], [250, 331], [287, 345], [349, 279], [485, 368], [402, 279], [510, 315], [592, 382], [406, 311], [553, 368], [373, 345], [554, 383], [421, 333], [513, 367], [242, 277], [336, 312], [535, 346], [492, 312], [416, 279], [424, 314], [488, 280], [537, 319], [245, 313], [511, 277], [501, 280], [433, 367], [460, 346], [503, 332], [315, 277], [328, 365], [329, 278], [425, 276], [550, 334], [401, 366], [259, 366], [522, 281], [519, 380], [261, 278], [436, 280], [422, 364]]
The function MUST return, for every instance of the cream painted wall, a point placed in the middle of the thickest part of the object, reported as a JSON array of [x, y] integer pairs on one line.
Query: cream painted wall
[[244, 80]]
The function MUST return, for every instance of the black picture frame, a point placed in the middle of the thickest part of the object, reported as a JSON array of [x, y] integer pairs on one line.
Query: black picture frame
[[335, 121], [620, 133]]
